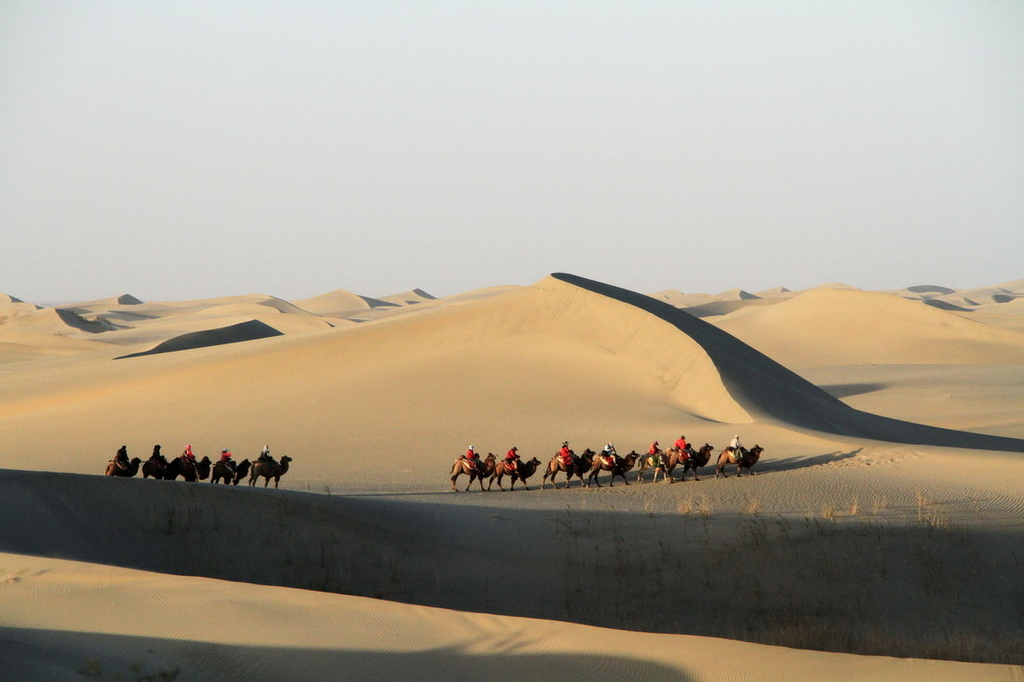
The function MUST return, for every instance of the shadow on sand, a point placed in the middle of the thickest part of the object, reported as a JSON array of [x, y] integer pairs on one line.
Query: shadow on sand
[[30, 655]]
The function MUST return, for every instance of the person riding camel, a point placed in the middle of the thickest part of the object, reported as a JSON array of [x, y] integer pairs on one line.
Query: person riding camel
[[187, 454], [683, 447], [471, 457], [512, 459], [265, 455], [566, 454], [225, 458], [655, 454], [609, 454], [737, 449], [121, 458]]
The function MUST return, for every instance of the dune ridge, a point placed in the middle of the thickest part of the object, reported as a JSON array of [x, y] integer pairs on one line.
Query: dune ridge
[[236, 333], [767, 388]]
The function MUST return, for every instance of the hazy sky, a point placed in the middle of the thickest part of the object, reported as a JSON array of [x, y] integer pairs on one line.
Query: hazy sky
[[182, 149]]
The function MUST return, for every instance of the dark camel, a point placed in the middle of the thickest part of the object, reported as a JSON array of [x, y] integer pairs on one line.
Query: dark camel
[[269, 470], [241, 471], [521, 473], [115, 468], [477, 470], [692, 462], [618, 466], [749, 458], [225, 471], [578, 467], [155, 466]]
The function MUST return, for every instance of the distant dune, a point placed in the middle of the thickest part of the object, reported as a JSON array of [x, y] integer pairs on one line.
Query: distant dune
[[236, 333]]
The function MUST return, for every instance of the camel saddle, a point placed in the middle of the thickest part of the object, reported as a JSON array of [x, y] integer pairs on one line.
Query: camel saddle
[[510, 466]]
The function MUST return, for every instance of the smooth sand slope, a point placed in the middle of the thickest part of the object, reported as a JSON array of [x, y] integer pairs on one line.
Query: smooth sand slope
[[862, 533]]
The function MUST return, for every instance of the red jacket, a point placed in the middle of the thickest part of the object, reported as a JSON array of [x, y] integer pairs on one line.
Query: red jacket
[[682, 444]]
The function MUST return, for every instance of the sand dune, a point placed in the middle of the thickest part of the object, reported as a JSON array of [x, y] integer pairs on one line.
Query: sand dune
[[340, 303], [863, 532], [237, 333], [831, 326]]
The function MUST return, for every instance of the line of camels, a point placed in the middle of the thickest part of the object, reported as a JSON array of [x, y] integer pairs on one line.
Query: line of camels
[[590, 464], [190, 469]]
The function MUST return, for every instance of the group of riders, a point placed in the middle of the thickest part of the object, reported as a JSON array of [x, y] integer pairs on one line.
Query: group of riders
[[654, 453], [121, 458]]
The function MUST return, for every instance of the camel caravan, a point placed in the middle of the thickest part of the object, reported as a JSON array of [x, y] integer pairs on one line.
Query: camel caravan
[[224, 470], [587, 466]]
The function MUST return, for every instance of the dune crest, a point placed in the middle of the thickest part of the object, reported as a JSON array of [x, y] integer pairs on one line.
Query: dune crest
[[767, 389]]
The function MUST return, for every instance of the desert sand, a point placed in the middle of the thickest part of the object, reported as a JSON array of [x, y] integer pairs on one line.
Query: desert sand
[[882, 536]]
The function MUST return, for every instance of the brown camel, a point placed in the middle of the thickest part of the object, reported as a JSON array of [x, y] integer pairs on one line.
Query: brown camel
[[618, 466], [115, 468], [224, 471], [155, 466], [691, 462], [203, 468], [476, 470], [187, 468], [521, 473], [269, 470], [649, 461], [579, 466], [241, 471], [746, 461]]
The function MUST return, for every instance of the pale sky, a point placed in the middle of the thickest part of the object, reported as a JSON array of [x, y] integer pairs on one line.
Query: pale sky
[[186, 149]]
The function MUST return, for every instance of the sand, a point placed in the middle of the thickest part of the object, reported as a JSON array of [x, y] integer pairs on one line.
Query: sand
[[881, 533]]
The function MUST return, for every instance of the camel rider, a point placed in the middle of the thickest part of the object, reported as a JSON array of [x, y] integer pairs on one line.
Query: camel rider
[[225, 458], [609, 454], [655, 454], [265, 454], [566, 454], [187, 454], [471, 457], [121, 458], [683, 447], [736, 447], [512, 459]]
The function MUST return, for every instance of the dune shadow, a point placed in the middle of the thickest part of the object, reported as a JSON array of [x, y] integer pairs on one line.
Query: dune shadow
[[793, 463], [236, 333], [847, 390], [503, 559], [32, 654]]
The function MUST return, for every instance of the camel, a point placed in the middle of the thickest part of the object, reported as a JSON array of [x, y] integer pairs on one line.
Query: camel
[[155, 466], [115, 468], [525, 470], [645, 462], [241, 471], [203, 468], [223, 471], [748, 460], [269, 470], [579, 466], [476, 470], [618, 467], [694, 461]]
